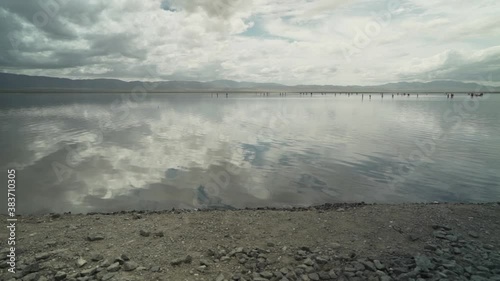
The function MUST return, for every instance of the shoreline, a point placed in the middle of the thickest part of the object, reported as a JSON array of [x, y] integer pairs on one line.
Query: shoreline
[[321, 207], [345, 241]]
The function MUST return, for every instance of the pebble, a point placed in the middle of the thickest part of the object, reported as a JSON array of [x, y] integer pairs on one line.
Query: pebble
[[81, 262], [95, 237], [114, 267]]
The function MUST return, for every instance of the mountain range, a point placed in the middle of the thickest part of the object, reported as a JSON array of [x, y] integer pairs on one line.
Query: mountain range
[[24, 83]]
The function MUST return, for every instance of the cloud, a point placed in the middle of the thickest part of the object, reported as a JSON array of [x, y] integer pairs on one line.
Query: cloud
[[290, 42], [456, 65]]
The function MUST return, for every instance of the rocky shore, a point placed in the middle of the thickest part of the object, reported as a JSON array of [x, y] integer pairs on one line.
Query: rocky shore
[[330, 242]]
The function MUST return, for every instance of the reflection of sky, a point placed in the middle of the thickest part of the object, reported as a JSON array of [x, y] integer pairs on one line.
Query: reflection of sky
[[169, 149]]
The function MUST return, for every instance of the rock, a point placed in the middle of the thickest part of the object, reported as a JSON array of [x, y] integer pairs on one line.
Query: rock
[[42, 256], [55, 216], [205, 262], [220, 277], [105, 263], [369, 265], [335, 246], [108, 276], [266, 274], [155, 268], [130, 266], [51, 243], [95, 237], [31, 277], [321, 260], [60, 275], [81, 262], [324, 275], [308, 261], [358, 266], [124, 257], [313, 276], [424, 263], [473, 234], [90, 271], [378, 265], [96, 257], [144, 233], [114, 267], [159, 234], [178, 261]]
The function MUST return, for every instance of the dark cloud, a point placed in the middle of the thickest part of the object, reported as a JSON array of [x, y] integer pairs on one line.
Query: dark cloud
[[42, 14], [457, 66], [51, 35]]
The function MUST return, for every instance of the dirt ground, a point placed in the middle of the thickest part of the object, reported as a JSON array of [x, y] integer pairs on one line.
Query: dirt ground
[[153, 240]]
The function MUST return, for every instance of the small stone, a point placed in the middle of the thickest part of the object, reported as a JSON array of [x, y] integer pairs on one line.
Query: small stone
[[424, 263], [90, 271], [159, 234], [473, 234], [378, 265], [144, 233], [205, 262], [324, 275], [42, 256], [81, 262], [308, 261], [60, 275], [55, 216], [220, 277], [129, 266], [266, 274], [186, 259], [321, 260], [31, 277], [114, 267], [335, 245], [105, 263], [95, 237], [124, 257], [313, 276], [96, 257], [155, 268], [369, 265], [108, 276]]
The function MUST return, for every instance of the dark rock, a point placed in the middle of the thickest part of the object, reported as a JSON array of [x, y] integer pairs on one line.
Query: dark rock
[[60, 275]]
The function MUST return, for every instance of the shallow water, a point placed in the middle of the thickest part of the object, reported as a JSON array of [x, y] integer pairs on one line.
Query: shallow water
[[109, 152]]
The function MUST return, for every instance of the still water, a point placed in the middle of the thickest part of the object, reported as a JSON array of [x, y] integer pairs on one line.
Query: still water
[[111, 152]]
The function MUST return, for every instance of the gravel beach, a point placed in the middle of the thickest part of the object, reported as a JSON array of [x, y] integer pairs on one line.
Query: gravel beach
[[329, 242]]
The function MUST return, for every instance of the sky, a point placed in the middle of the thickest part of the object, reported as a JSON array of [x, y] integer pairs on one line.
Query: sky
[[325, 42]]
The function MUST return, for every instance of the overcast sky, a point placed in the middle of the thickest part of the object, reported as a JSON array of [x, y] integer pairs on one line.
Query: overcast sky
[[340, 42]]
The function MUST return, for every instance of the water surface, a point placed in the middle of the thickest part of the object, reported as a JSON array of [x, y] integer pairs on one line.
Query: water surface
[[109, 152]]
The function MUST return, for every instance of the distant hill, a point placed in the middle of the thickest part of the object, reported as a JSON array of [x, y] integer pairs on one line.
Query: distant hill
[[24, 83]]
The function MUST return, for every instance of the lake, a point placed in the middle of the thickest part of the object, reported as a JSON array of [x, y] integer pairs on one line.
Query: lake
[[113, 152]]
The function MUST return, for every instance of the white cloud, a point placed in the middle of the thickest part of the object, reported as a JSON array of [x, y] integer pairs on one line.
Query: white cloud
[[291, 42]]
